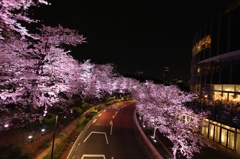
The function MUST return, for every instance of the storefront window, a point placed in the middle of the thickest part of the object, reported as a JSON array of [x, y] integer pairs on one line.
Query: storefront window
[[229, 88], [205, 127], [231, 139], [225, 97], [237, 88], [217, 87], [217, 133], [224, 137], [228, 137], [237, 98], [217, 96], [211, 131], [226, 93], [231, 97], [238, 142]]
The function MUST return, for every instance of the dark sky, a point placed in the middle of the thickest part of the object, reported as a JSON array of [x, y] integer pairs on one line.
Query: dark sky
[[135, 35]]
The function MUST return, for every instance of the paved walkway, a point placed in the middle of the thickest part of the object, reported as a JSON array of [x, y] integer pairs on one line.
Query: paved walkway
[[64, 133]]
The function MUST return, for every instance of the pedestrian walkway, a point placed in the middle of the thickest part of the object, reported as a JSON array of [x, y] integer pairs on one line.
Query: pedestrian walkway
[[66, 131]]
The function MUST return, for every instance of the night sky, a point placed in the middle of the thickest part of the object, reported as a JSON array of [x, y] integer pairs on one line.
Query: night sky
[[135, 35]]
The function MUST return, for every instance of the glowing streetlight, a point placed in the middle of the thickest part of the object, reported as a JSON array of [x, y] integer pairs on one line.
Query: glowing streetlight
[[43, 130], [154, 133], [6, 125], [30, 138]]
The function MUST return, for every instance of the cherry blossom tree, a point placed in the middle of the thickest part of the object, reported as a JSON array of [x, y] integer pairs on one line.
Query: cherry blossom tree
[[13, 67], [13, 13], [162, 108], [56, 67], [97, 80], [37, 72]]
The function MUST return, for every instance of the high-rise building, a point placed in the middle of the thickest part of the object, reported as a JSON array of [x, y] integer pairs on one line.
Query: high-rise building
[[166, 75], [215, 69], [216, 58]]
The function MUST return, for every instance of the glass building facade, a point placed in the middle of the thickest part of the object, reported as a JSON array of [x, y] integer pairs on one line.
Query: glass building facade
[[215, 69], [215, 64]]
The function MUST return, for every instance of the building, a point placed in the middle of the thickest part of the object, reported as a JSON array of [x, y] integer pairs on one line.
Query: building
[[165, 75], [215, 69], [215, 61]]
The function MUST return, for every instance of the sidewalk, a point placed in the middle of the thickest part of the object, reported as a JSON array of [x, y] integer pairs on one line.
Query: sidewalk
[[66, 131]]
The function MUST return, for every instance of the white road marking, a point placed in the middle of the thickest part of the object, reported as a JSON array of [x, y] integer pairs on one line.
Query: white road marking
[[111, 123], [94, 120], [74, 146], [93, 155], [96, 132]]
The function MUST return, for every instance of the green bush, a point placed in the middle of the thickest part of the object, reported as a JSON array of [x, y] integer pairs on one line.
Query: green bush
[[85, 106], [81, 121], [89, 116], [77, 110], [57, 151], [94, 111], [101, 107], [109, 103], [49, 119]]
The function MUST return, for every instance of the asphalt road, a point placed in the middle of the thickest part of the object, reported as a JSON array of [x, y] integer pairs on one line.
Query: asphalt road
[[109, 135]]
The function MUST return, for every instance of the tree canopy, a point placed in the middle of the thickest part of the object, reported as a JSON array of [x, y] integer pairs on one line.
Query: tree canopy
[[37, 71]]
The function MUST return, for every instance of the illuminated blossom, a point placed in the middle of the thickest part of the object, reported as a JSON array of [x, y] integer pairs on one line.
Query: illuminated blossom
[[13, 11]]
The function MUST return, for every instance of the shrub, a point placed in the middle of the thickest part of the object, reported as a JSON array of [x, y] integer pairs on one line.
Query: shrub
[[49, 119], [94, 111], [57, 151], [77, 110], [85, 106], [81, 121]]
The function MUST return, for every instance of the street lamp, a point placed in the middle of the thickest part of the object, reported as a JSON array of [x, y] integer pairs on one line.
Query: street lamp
[[30, 138], [54, 135], [6, 125], [154, 133], [43, 131]]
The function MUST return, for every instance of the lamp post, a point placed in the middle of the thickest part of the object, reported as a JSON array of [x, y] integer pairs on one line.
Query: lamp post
[[154, 133], [30, 138], [54, 135], [43, 130], [6, 125]]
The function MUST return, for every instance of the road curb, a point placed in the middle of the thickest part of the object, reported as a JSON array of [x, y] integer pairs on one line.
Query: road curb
[[154, 154]]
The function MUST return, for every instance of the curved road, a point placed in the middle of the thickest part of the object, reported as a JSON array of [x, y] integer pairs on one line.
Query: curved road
[[109, 135]]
